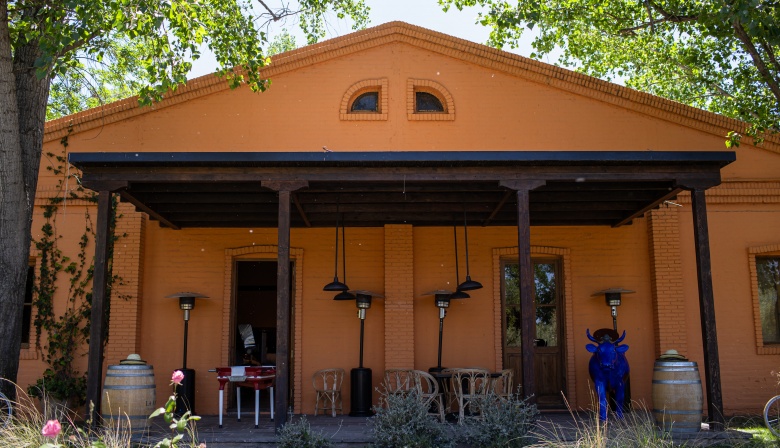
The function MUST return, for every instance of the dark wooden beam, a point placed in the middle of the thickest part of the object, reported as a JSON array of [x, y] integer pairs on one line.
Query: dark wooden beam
[[97, 315], [655, 203], [707, 310], [283, 299], [140, 206], [497, 208], [301, 211], [526, 281]]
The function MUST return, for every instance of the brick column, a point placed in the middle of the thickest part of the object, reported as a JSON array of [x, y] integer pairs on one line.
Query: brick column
[[666, 280], [399, 293], [124, 332]]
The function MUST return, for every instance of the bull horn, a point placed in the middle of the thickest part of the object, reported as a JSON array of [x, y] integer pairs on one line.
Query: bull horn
[[621, 337], [587, 331]]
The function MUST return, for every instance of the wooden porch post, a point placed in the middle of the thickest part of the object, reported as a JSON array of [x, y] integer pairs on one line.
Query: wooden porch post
[[281, 398], [526, 278], [707, 309], [99, 297]]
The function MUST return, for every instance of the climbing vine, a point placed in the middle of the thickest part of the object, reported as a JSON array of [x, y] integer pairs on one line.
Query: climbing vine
[[67, 333]]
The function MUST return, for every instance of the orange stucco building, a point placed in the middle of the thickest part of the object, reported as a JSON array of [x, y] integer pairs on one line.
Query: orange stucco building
[[492, 102]]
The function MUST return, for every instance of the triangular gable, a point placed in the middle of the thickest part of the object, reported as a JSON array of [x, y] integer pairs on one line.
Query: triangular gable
[[481, 55]]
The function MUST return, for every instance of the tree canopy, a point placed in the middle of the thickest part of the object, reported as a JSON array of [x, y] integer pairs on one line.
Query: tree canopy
[[719, 55]]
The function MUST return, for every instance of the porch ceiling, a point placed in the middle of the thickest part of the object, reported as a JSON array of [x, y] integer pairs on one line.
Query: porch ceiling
[[212, 189]]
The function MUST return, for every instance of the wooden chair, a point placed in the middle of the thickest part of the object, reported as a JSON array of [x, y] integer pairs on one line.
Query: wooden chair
[[470, 387], [327, 384], [399, 381], [428, 391], [502, 385]]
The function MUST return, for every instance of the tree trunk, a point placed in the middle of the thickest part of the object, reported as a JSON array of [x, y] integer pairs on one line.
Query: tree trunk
[[23, 100]]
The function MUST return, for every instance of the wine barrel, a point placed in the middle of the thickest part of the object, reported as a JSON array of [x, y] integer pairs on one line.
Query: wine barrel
[[677, 396], [129, 396]]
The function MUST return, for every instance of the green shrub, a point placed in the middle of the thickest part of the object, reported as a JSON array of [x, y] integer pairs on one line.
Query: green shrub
[[299, 435], [404, 422], [503, 423]]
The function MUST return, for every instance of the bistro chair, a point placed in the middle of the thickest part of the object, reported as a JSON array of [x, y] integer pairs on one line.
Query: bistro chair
[[399, 381], [470, 387], [327, 384], [502, 385], [428, 391]]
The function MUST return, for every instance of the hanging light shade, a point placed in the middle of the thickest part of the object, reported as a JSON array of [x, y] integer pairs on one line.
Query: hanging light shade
[[336, 285], [458, 294], [344, 295], [469, 284]]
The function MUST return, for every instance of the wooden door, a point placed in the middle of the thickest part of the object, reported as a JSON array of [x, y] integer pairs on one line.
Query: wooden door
[[548, 351]]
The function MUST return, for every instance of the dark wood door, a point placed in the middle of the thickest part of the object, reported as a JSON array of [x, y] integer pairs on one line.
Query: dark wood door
[[548, 351]]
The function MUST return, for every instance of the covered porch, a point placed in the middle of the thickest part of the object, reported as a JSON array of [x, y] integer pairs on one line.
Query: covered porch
[[369, 189]]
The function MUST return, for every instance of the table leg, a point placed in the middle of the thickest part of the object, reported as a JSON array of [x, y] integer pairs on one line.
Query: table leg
[[221, 401], [272, 403], [257, 408], [238, 401]]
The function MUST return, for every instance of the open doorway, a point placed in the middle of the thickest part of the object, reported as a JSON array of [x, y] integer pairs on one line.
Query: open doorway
[[255, 323], [255, 342]]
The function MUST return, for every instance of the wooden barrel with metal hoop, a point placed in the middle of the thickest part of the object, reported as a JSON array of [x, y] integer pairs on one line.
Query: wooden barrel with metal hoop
[[677, 396], [129, 396]]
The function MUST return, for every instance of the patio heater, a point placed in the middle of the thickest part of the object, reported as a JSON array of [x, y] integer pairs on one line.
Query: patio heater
[[613, 298], [185, 399], [361, 388], [442, 300]]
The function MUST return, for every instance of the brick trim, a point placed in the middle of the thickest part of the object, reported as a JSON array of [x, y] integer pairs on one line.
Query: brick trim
[[434, 88], [505, 253], [125, 328], [767, 249], [399, 296], [666, 280], [266, 252], [358, 89]]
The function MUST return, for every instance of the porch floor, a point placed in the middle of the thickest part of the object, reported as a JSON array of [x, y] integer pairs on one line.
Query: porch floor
[[560, 428]]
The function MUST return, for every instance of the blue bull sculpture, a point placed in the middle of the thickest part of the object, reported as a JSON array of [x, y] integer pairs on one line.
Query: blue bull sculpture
[[608, 369]]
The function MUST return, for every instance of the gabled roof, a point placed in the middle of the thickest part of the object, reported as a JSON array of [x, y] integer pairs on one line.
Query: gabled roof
[[436, 42]]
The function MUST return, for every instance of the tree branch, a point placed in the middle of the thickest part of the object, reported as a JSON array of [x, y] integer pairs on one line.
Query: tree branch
[[770, 54], [666, 17], [770, 81]]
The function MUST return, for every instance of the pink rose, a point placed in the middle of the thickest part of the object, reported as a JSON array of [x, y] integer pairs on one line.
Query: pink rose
[[177, 377], [51, 429]]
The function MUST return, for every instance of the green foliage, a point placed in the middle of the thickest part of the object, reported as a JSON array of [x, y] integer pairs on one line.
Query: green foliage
[[404, 422], [299, 435], [102, 50], [503, 423], [720, 56], [180, 427], [281, 43]]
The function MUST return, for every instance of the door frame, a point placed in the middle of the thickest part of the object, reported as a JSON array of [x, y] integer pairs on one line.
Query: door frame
[[266, 253], [508, 254]]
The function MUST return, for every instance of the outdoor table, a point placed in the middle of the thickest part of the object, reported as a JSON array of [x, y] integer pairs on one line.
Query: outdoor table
[[248, 376]]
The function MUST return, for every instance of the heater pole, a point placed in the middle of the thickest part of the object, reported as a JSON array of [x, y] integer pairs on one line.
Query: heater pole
[[362, 328], [441, 332], [186, 328]]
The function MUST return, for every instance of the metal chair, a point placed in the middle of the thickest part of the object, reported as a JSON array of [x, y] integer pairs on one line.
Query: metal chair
[[428, 391], [327, 384], [470, 387], [399, 381], [502, 385]]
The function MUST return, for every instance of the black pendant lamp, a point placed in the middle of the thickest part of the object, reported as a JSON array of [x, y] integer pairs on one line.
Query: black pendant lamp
[[458, 294], [344, 295], [469, 284], [336, 285]]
